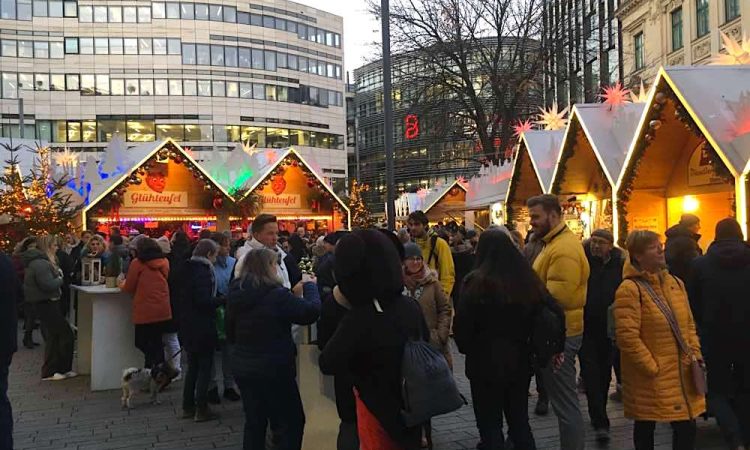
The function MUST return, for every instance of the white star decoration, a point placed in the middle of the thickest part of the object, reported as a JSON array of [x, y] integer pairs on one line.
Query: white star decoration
[[640, 97], [736, 54], [552, 119]]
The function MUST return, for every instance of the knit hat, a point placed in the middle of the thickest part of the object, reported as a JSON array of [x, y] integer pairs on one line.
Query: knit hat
[[164, 244], [604, 234], [333, 238], [412, 250], [728, 229]]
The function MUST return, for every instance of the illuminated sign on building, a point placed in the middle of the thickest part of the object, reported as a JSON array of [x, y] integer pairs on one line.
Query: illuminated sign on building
[[411, 126]]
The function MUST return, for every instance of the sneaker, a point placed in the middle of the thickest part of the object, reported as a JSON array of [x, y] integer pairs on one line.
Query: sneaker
[[213, 396], [55, 377], [70, 374], [542, 408], [602, 435], [231, 395], [204, 414]]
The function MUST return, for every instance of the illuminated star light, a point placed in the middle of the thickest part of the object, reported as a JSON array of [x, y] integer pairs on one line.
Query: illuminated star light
[[739, 116], [522, 127], [66, 158], [250, 149], [552, 119], [640, 97], [615, 95], [736, 54]]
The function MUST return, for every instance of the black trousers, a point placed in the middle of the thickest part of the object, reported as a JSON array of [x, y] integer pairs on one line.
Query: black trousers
[[683, 435], [6, 413], [616, 363], [596, 370], [195, 390], [730, 401], [540, 389], [492, 399], [29, 320], [58, 339], [148, 340]]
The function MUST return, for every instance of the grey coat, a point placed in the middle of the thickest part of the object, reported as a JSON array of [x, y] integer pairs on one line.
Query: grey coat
[[42, 281]]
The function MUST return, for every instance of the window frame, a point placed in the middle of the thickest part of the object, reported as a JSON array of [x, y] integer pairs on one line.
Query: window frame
[[702, 18], [639, 50], [677, 35]]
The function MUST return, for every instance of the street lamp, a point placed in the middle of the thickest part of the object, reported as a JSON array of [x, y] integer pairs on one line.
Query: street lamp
[[390, 204]]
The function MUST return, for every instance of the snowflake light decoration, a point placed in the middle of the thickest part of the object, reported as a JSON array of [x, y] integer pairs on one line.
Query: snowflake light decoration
[[522, 127], [640, 97], [552, 119], [736, 54], [615, 95]]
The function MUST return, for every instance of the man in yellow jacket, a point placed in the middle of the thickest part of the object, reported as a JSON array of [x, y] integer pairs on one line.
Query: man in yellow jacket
[[563, 268], [435, 251]]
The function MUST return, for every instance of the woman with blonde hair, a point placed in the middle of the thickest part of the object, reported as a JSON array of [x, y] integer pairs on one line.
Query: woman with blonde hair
[[41, 286], [659, 348]]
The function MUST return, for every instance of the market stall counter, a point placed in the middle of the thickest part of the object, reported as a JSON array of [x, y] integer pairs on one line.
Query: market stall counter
[[106, 335]]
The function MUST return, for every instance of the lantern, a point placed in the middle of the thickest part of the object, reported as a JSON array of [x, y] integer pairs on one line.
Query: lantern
[[91, 274]]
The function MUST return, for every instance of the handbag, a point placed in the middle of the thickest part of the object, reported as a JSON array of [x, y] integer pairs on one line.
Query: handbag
[[696, 368]]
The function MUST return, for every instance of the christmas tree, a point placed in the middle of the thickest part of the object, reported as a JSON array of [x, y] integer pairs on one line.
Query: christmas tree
[[360, 215], [36, 203]]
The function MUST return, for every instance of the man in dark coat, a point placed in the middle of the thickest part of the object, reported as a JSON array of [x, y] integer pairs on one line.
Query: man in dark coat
[[8, 344], [718, 289], [463, 262], [606, 263], [682, 246], [298, 244]]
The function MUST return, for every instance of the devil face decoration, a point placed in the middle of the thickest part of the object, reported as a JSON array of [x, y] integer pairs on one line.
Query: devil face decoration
[[278, 184], [156, 179]]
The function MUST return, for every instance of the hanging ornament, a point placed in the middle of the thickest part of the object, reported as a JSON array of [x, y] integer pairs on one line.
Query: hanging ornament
[[655, 124], [615, 95], [660, 98], [218, 202]]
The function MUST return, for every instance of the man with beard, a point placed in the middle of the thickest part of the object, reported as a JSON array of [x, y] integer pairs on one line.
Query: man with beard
[[606, 263], [563, 268]]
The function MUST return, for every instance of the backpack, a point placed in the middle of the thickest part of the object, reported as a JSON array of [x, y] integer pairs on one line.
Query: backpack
[[548, 334], [433, 244]]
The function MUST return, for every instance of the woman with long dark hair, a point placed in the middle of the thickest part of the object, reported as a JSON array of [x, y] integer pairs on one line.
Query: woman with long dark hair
[[493, 327]]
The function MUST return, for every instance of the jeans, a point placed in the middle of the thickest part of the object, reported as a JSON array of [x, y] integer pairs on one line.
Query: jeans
[[731, 404], [58, 339], [596, 369], [195, 391], [561, 388], [6, 413], [683, 435], [171, 346], [492, 398], [274, 399], [221, 363], [149, 341]]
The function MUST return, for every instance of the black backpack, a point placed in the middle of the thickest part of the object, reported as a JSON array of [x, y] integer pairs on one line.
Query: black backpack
[[548, 335]]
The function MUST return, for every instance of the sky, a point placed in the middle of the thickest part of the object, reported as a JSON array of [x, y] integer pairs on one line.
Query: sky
[[360, 29]]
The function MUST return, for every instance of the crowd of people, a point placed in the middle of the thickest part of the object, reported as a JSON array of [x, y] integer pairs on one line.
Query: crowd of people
[[518, 307]]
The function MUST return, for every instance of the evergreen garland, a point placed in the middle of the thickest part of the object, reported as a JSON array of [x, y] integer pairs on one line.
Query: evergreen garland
[[566, 153]]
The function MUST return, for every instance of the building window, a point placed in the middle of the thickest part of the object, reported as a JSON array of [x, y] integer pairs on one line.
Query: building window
[[640, 60], [676, 29], [24, 10], [731, 9], [100, 14], [8, 48], [40, 8], [56, 50], [8, 9], [173, 10], [701, 17], [55, 8], [158, 10], [71, 8], [130, 14], [115, 14], [201, 11]]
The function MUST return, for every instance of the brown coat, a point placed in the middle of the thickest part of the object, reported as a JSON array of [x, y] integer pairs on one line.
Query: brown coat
[[438, 313], [147, 281], [657, 380]]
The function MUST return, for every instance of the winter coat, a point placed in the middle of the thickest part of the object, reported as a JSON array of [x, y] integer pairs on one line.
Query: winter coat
[[494, 335], [259, 325], [298, 249], [603, 282], [718, 289], [147, 281], [437, 311], [224, 269], [198, 307], [42, 281], [369, 345], [463, 261], [441, 261], [9, 290], [177, 280], [563, 268], [680, 250], [656, 377], [288, 269]]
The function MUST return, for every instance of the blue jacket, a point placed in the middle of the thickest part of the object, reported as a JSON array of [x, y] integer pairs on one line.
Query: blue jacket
[[198, 309], [259, 325], [224, 268]]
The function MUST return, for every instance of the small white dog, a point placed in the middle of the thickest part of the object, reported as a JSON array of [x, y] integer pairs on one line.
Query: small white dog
[[135, 379]]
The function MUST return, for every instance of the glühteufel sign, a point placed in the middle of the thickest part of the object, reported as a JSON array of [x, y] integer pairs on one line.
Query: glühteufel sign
[[284, 201], [165, 199]]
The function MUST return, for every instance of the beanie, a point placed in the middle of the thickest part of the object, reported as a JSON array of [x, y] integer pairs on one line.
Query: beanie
[[604, 234], [412, 250], [728, 229]]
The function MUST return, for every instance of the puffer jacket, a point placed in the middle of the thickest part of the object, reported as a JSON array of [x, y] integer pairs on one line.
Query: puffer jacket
[[563, 268], [657, 380], [437, 312], [42, 281], [147, 281], [441, 261]]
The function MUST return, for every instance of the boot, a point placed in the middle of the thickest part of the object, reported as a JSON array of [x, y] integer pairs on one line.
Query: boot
[[204, 414], [542, 407], [213, 396]]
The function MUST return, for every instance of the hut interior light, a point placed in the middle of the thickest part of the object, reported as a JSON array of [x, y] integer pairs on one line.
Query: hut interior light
[[690, 204]]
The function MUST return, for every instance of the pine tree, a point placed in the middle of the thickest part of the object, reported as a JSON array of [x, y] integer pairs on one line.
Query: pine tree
[[360, 215], [36, 203]]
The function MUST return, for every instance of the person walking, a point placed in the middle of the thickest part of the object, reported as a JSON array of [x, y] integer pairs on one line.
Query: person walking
[[718, 291], [41, 288], [198, 329], [657, 379], [265, 234], [682, 246], [606, 263], [435, 250], [563, 268], [8, 344], [224, 270], [369, 342], [260, 314], [493, 327], [146, 280]]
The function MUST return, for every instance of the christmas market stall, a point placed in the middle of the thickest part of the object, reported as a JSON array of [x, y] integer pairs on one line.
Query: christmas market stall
[[443, 203], [282, 182], [152, 188], [690, 153], [591, 158], [531, 174], [485, 196]]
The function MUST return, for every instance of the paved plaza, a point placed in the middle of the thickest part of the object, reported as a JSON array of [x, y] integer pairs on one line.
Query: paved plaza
[[67, 415]]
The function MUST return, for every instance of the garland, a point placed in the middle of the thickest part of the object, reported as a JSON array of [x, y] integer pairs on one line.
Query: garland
[[566, 153]]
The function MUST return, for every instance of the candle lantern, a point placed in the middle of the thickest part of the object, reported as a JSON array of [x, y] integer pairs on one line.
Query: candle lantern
[[92, 271]]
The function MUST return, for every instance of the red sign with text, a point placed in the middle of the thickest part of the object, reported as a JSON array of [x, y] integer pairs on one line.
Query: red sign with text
[[411, 126]]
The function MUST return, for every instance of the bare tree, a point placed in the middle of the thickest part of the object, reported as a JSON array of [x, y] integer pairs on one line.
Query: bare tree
[[474, 67]]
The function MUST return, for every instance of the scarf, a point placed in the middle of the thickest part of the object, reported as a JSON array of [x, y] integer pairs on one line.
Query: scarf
[[254, 244], [414, 283], [206, 261]]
